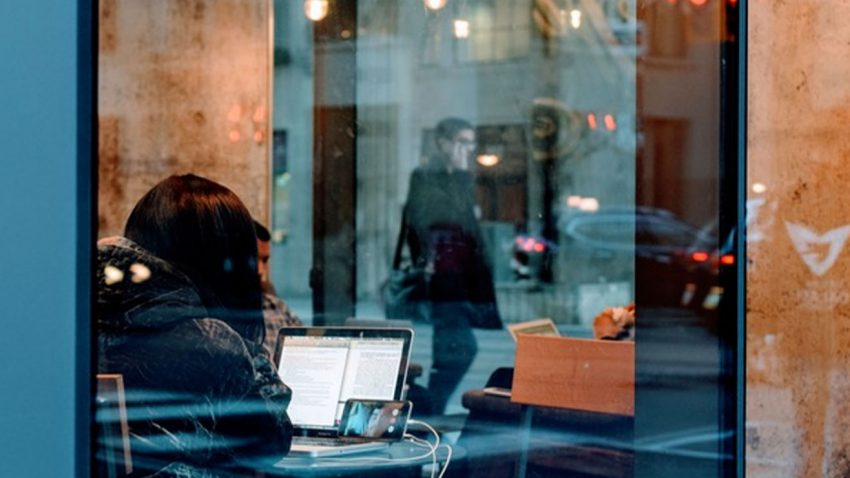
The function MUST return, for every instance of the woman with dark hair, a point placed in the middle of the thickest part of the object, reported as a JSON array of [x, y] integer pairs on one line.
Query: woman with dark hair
[[203, 229], [179, 317]]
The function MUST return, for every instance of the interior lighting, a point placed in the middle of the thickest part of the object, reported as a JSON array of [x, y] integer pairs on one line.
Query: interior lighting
[[435, 4], [698, 3], [316, 10], [759, 188], [259, 115], [488, 160], [461, 29], [589, 204], [610, 123], [575, 18], [112, 275], [591, 121], [140, 273]]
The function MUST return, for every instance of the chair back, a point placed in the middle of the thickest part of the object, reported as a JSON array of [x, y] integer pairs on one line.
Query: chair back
[[113, 457]]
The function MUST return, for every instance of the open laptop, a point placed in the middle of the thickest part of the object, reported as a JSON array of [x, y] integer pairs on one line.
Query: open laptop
[[326, 366], [534, 327]]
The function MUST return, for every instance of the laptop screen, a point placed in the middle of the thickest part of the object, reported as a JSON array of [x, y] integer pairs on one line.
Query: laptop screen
[[325, 366]]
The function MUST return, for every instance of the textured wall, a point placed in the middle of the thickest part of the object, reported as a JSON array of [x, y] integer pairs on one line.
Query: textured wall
[[798, 340], [184, 87]]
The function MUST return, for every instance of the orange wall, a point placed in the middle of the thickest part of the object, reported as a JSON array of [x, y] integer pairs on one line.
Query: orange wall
[[183, 87], [798, 287]]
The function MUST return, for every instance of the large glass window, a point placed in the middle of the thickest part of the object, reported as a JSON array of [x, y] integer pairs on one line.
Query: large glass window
[[487, 173]]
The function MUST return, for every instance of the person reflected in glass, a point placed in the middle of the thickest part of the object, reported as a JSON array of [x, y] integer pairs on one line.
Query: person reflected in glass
[[276, 313], [179, 316], [444, 237]]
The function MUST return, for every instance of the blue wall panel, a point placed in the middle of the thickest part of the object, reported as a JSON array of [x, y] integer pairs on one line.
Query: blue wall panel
[[38, 238]]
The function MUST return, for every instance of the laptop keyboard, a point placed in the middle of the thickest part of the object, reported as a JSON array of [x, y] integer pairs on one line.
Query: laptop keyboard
[[322, 441]]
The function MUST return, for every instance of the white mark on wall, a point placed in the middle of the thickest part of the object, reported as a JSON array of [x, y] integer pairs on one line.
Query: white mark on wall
[[806, 241]]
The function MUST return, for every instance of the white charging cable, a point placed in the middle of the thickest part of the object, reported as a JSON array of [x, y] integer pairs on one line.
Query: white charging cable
[[432, 452], [435, 446]]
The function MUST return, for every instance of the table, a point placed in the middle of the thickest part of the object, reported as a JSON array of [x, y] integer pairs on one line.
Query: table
[[400, 460]]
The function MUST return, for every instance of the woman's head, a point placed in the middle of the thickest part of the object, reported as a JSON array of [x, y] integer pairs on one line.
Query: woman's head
[[204, 229]]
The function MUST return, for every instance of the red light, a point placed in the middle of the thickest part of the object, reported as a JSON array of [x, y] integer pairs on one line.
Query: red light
[[610, 123], [699, 256], [539, 247], [529, 245], [727, 260], [698, 3], [591, 121]]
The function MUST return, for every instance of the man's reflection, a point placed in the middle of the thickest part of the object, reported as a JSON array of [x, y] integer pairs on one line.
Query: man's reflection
[[445, 238]]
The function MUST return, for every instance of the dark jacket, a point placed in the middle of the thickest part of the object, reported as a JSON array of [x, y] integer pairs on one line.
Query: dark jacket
[[444, 237], [197, 393]]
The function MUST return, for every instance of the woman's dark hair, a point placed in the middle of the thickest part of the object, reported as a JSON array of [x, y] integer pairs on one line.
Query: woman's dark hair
[[263, 234], [204, 229]]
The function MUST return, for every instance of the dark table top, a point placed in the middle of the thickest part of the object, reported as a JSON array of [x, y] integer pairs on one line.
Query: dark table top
[[397, 458]]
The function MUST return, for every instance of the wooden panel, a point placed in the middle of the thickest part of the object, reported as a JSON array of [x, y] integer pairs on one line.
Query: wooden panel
[[582, 374]]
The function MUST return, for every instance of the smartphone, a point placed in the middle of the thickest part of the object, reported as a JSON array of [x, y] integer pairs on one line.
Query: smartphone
[[375, 419]]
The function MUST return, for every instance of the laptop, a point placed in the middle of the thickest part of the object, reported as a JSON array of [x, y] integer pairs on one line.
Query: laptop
[[534, 327], [327, 366]]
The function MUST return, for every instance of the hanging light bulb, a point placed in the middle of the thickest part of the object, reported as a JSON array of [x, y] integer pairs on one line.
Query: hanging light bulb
[[434, 4], [575, 18], [316, 10]]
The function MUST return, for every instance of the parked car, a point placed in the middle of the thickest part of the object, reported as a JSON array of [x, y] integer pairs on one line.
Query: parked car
[[673, 265]]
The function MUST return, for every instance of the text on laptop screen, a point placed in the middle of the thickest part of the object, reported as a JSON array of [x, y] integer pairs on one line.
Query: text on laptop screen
[[324, 372]]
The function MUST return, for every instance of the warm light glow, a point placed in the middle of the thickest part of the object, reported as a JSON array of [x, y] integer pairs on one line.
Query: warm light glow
[[699, 256], [574, 201], [610, 123], [591, 121], [671, 2], [260, 115], [539, 247], [575, 18], [528, 245], [759, 188], [698, 3], [235, 113], [589, 204], [727, 260], [487, 160], [258, 136], [461, 29], [234, 136], [140, 273], [316, 10], [112, 275], [435, 4]]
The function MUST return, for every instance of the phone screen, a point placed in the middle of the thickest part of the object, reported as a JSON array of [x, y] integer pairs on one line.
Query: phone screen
[[377, 419]]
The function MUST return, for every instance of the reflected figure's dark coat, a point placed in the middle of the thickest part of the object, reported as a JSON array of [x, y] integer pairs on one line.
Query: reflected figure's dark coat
[[197, 393], [444, 236]]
